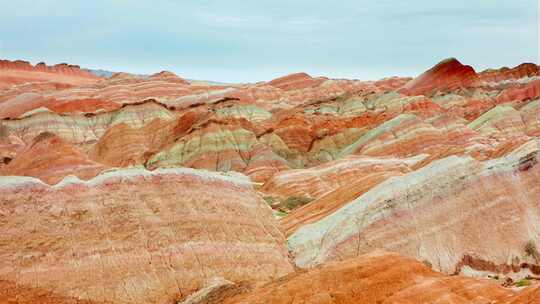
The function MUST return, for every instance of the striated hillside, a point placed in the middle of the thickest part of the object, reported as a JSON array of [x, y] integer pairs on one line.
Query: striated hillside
[[135, 236], [62, 75], [158, 189], [381, 277], [440, 213]]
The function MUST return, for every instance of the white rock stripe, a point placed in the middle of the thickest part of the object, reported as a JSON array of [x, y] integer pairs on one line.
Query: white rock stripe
[[235, 178]]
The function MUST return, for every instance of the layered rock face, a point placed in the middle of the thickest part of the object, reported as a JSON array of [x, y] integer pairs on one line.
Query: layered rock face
[[237, 142], [164, 120], [49, 158], [442, 168], [523, 71], [20, 72], [381, 277], [320, 180], [334, 184], [450, 209], [295, 81], [447, 75], [14, 293], [134, 236]]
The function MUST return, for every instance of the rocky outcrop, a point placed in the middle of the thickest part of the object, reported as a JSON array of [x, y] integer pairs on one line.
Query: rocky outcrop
[[50, 159], [27, 104], [123, 146], [449, 74], [220, 147], [295, 82], [20, 72], [10, 146], [471, 208], [11, 292], [442, 168], [523, 71], [62, 68], [531, 117], [296, 127], [381, 277], [333, 185], [174, 91], [86, 128], [215, 291], [168, 77], [520, 93], [135, 236], [207, 145], [317, 181]]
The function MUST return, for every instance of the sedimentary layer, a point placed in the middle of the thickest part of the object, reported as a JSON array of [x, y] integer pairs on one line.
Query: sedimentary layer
[[441, 168], [441, 213], [382, 277], [21, 72], [135, 236]]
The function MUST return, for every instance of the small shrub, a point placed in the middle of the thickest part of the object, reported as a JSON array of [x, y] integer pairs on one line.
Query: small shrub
[[280, 213], [269, 200], [523, 283], [293, 202]]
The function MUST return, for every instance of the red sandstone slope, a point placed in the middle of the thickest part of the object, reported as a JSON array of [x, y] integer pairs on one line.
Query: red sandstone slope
[[446, 75], [526, 92], [295, 81], [13, 293], [438, 171], [50, 159], [381, 278], [168, 76], [292, 122], [442, 213], [521, 71], [20, 72], [135, 236]]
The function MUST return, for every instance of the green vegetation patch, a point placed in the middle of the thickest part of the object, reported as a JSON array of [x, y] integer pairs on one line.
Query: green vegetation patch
[[269, 200], [523, 283], [280, 213], [293, 202]]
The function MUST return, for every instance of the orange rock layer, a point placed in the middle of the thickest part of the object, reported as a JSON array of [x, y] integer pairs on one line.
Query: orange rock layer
[[442, 168], [21, 72], [382, 277], [134, 236], [449, 74]]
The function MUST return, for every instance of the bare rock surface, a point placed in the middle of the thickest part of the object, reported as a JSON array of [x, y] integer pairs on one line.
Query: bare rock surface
[[105, 195], [448, 74], [441, 213], [381, 277], [134, 236]]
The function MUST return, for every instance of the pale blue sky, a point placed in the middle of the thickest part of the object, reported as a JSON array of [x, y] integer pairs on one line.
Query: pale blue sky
[[259, 40]]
